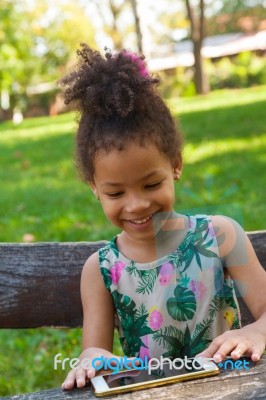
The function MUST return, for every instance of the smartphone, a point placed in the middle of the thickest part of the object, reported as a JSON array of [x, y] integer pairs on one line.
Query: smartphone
[[134, 379]]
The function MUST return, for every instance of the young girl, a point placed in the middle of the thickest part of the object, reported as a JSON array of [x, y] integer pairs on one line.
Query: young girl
[[167, 277]]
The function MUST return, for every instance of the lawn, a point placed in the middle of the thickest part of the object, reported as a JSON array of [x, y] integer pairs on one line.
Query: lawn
[[43, 200]]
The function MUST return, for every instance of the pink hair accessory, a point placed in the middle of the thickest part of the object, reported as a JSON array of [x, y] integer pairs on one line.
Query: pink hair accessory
[[137, 60]]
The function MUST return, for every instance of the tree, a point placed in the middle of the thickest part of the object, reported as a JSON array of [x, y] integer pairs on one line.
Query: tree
[[110, 12], [137, 17], [238, 16], [36, 44], [197, 21], [16, 58]]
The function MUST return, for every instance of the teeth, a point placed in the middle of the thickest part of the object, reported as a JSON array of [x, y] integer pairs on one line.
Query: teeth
[[140, 221]]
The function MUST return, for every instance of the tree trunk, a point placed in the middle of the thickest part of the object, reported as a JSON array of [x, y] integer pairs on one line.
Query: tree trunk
[[135, 10], [197, 36]]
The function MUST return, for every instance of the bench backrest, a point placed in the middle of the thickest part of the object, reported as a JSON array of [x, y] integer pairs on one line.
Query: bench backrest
[[39, 282]]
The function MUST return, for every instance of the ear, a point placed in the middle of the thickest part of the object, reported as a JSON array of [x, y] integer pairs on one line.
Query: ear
[[93, 188], [178, 168]]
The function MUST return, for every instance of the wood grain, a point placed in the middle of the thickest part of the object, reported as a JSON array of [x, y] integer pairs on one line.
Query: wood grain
[[39, 282]]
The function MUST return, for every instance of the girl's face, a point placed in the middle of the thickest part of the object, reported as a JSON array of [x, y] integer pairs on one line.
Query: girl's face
[[133, 185]]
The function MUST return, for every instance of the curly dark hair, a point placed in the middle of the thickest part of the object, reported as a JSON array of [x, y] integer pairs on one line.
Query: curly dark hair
[[117, 103]]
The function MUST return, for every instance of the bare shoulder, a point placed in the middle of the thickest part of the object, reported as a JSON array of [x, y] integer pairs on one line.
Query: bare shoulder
[[229, 234], [225, 223], [91, 266], [91, 277]]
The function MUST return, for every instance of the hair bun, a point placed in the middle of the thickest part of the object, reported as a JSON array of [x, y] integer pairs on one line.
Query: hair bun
[[108, 85]]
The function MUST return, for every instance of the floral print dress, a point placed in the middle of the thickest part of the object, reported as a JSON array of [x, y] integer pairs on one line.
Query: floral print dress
[[176, 305]]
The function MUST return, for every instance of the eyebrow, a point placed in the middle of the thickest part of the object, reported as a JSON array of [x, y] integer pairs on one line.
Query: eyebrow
[[143, 178]]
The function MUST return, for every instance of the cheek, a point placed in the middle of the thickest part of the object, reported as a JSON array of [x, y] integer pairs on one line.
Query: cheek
[[110, 209], [168, 192]]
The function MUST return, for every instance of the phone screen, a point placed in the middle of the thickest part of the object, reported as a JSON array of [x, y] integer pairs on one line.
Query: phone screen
[[130, 377]]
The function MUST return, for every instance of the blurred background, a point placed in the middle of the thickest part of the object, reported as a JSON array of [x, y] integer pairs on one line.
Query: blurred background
[[211, 58], [38, 40]]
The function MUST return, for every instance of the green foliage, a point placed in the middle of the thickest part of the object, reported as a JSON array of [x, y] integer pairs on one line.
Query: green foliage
[[245, 70], [178, 83], [36, 44], [242, 71], [224, 165]]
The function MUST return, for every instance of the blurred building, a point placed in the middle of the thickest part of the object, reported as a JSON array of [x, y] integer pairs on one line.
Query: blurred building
[[181, 54]]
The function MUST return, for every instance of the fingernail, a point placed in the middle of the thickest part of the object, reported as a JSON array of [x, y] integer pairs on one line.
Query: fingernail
[[217, 357]]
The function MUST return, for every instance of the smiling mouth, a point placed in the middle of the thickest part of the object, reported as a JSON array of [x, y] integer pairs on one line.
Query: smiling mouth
[[140, 221]]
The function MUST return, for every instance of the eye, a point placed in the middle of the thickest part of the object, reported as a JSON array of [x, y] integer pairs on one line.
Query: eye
[[116, 194], [153, 185]]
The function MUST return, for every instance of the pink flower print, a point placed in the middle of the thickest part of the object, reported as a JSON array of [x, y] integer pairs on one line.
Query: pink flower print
[[198, 288], [166, 274], [155, 318], [116, 271], [144, 351]]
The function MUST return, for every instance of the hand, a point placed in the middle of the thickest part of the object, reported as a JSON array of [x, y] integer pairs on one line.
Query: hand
[[245, 341], [79, 375]]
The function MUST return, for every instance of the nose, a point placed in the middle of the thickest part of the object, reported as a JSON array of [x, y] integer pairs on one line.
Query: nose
[[136, 203]]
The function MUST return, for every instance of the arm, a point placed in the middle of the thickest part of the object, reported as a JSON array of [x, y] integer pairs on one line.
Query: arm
[[244, 268], [98, 321], [98, 309]]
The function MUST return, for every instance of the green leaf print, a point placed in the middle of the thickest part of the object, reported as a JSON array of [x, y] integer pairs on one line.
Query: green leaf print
[[183, 306], [147, 278], [106, 277], [235, 324], [171, 338], [179, 344], [222, 300], [141, 311], [133, 323], [201, 337], [123, 303], [102, 253], [194, 245], [188, 255], [114, 248], [134, 330], [184, 280]]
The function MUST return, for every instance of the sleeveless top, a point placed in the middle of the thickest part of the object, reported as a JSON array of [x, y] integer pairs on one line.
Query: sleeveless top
[[174, 306]]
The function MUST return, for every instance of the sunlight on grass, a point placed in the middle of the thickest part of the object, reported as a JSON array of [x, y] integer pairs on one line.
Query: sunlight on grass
[[219, 98], [36, 128], [194, 153]]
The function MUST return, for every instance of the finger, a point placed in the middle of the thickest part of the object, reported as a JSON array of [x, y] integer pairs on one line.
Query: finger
[[212, 349], [69, 382], [231, 346], [91, 372], [256, 354], [77, 375], [80, 377], [240, 349]]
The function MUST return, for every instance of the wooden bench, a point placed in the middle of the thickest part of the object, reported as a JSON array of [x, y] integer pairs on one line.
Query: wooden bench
[[39, 286]]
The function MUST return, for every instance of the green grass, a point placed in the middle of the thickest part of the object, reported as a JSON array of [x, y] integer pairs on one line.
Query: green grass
[[224, 169]]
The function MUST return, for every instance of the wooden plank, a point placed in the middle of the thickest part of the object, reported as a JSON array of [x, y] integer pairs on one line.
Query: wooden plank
[[228, 385], [39, 282]]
